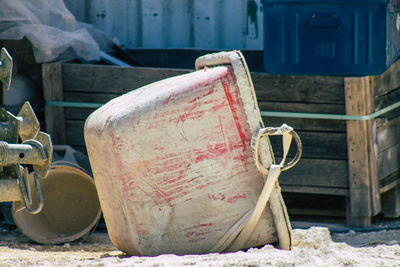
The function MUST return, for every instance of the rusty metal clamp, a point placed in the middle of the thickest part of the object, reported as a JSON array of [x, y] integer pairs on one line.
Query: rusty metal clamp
[[21, 144]]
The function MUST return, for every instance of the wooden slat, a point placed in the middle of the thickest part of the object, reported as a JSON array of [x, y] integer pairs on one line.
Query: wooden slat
[[110, 79], [316, 212], [388, 134], [53, 91], [78, 113], [316, 125], [388, 81], [387, 99], [306, 89], [316, 145], [389, 182], [362, 167], [317, 173], [302, 107], [315, 190], [372, 149], [388, 161], [89, 97]]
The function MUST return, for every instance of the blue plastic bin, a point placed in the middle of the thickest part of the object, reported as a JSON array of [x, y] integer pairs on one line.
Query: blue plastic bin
[[328, 37]]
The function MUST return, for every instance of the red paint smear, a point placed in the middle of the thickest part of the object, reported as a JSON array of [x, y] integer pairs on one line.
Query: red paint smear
[[243, 158], [219, 196], [197, 226], [166, 101], [233, 105], [190, 116], [181, 174], [196, 234], [216, 152], [218, 106], [236, 198], [211, 90]]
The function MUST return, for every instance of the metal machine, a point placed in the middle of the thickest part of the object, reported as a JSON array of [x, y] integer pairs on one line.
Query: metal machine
[[25, 151]]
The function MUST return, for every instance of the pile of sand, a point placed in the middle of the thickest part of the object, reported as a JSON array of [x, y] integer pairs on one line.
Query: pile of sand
[[312, 247]]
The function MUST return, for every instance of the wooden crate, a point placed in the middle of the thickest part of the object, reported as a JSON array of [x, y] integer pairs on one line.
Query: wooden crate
[[355, 159]]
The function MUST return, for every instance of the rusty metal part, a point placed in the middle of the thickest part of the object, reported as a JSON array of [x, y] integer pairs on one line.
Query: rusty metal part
[[35, 150], [29, 125], [22, 147]]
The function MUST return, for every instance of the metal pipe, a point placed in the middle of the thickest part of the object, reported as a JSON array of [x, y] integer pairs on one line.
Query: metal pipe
[[20, 154]]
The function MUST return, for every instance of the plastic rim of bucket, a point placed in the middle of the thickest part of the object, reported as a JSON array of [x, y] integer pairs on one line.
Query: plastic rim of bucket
[[71, 207]]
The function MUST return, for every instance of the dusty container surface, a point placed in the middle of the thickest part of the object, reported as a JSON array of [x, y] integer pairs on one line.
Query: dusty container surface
[[173, 164]]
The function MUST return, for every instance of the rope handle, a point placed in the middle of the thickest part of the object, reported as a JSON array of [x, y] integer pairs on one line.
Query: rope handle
[[287, 133], [235, 238]]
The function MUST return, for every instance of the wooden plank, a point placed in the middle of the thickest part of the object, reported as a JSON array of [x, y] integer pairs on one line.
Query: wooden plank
[[389, 182], [388, 161], [89, 97], [302, 107], [387, 134], [316, 145], [361, 155], [317, 173], [78, 113], [315, 190], [315, 125], [386, 82], [316, 212], [391, 203], [53, 91], [372, 151], [306, 89], [387, 99], [111, 79]]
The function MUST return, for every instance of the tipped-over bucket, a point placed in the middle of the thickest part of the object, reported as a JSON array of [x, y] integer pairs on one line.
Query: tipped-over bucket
[[71, 207], [184, 165]]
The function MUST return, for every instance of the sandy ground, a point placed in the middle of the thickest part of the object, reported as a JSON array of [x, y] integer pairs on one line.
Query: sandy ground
[[315, 246]]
